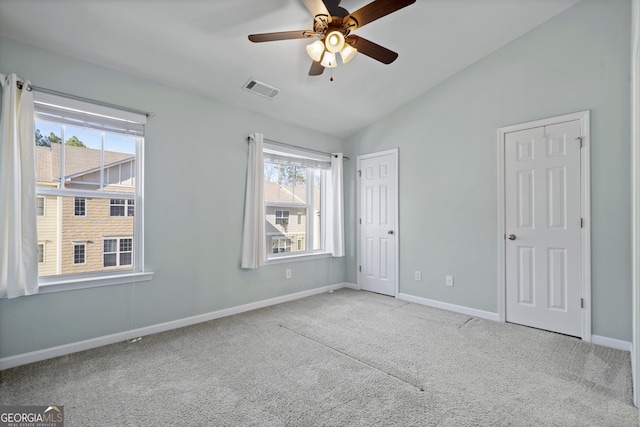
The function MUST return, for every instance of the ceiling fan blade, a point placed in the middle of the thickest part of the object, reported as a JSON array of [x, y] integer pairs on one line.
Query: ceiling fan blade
[[283, 35], [316, 69], [374, 10], [371, 49], [316, 7]]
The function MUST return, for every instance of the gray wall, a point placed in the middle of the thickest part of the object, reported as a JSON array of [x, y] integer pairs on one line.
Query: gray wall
[[578, 61], [195, 157]]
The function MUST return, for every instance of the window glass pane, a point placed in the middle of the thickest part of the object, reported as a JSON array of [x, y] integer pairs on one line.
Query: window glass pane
[[284, 184], [110, 260], [126, 245], [125, 259], [79, 254], [40, 253], [119, 162], [61, 229], [80, 206], [48, 137], [111, 245], [93, 159], [317, 204], [292, 208], [40, 206]]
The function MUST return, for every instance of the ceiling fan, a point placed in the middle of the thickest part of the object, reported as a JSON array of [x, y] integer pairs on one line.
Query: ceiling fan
[[332, 26]]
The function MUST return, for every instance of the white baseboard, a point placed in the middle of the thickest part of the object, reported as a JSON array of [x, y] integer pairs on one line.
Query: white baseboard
[[611, 342], [62, 350], [450, 307], [595, 339]]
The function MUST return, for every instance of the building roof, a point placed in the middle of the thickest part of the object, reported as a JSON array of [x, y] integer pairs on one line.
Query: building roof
[[274, 192], [78, 161]]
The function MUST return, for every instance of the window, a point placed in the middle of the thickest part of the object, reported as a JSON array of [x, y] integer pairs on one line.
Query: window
[[80, 204], [292, 188], [118, 252], [280, 245], [121, 206], [40, 253], [79, 253], [89, 162], [282, 218], [40, 206]]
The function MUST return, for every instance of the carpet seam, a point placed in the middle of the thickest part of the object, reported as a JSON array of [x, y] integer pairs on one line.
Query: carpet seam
[[353, 358]]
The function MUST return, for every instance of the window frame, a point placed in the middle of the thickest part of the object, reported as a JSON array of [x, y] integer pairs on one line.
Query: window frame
[[118, 251], [310, 176], [128, 119], [44, 252], [82, 245], [43, 207], [75, 206]]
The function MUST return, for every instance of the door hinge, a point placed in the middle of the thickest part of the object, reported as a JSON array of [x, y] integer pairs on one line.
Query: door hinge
[[581, 222], [580, 140], [360, 220], [581, 302], [360, 268], [359, 174]]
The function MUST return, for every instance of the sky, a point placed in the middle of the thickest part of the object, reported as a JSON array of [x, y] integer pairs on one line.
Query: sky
[[90, 137]]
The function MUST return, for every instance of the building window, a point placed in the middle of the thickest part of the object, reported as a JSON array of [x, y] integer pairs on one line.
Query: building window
[[79, 253], [292, 188], [120, 207], [118, 252], [87, 152], [80, 206], [282, 218], [40, 206], [280, 245], [40, 253]]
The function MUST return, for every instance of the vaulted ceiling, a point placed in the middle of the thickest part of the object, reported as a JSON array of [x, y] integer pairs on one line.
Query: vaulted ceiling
[[202, 47]]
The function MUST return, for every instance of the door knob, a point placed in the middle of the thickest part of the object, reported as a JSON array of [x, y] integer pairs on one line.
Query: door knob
[[512, 237], [390, 232]]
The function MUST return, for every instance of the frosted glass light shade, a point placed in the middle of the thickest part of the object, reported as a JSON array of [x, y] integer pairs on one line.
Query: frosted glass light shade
[[334, 41], [329, 60], [347, 53], [315, 50]]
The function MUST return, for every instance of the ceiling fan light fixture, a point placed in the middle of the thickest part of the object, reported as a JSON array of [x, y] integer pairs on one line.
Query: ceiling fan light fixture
[[315, 50], [329, 60], [334, 41], [347, 53]]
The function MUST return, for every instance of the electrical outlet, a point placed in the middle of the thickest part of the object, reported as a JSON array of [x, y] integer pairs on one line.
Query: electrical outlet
[[287, 273], [449, 280], [418, 276]]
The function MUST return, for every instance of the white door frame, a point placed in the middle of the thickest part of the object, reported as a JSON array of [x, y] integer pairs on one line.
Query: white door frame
[[396, 240], [585, 203]]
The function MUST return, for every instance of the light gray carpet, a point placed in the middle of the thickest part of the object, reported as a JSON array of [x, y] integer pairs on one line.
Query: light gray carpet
[[348, 358]]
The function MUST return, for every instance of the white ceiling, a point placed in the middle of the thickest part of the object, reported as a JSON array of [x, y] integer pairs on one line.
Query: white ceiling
[[202, 47]]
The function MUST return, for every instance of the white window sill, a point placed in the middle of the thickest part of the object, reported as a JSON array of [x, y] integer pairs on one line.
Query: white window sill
[[72, 283], [293, 258]]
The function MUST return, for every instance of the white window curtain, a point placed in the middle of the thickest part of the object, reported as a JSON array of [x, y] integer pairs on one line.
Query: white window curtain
[[253, 236], [18, 226], [334, 207]]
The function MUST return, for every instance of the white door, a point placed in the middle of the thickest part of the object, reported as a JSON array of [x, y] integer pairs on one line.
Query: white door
[[543, 228], [378, 235]]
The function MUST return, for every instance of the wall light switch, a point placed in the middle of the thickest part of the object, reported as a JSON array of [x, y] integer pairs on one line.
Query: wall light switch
[[449, 280]]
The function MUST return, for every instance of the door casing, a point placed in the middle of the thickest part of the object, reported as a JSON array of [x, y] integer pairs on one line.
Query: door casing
[[396, 240], [585, 203]]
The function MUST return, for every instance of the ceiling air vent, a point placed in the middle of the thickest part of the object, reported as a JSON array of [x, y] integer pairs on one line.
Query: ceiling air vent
[[261, 89]]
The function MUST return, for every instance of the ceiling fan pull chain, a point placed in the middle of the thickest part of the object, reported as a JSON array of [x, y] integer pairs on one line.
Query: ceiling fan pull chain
[[331, 79]]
